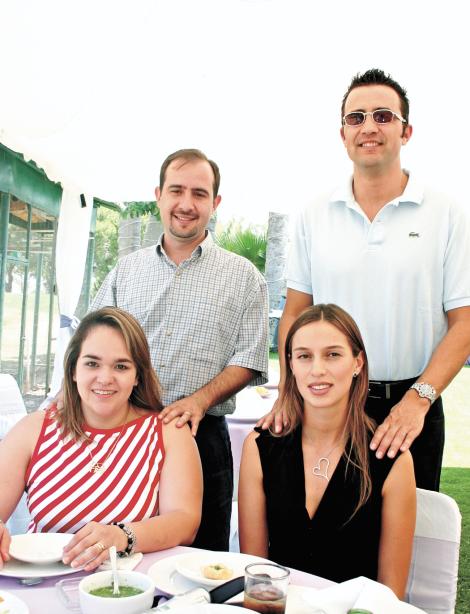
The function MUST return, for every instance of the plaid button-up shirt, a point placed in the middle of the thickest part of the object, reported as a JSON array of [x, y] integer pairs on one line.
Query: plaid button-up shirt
[[207, 313]]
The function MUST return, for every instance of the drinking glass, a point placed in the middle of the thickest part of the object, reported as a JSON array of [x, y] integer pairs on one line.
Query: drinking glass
[[266, 588]]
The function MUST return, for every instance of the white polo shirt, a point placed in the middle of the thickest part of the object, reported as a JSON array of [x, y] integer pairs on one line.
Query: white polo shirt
[[396, 275]]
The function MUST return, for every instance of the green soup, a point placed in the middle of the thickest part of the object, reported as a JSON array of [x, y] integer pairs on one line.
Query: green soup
[[124, 591]]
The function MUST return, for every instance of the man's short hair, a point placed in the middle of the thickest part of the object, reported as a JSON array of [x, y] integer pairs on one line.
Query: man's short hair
[[375, 76], [190, 155]]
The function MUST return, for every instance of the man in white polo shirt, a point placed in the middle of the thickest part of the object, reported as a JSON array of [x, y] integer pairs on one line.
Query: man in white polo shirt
[[396, 256]]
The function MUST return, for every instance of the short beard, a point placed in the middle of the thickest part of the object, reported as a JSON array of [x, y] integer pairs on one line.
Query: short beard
[[190, 234]]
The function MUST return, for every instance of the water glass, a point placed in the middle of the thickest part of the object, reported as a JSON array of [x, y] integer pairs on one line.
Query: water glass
[[266, 588]]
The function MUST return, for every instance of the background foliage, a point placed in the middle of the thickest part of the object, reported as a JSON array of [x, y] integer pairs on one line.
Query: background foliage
[[106, 245], [249, 242]]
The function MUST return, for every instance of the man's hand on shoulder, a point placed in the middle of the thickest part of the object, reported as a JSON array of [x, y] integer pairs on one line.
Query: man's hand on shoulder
[[57, 401], [185, 410], [401, 427], [277, 415]]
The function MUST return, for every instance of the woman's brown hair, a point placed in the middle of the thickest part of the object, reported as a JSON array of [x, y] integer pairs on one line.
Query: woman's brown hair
[[145, 394], [358, 425]]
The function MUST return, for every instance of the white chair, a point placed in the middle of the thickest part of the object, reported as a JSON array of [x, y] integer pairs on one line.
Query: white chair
[[12, 409], [432, 581]]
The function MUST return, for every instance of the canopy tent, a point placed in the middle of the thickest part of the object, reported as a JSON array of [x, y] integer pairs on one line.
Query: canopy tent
[[98, 93]]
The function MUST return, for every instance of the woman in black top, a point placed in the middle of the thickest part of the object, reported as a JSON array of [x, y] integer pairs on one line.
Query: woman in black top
[[315, 498]]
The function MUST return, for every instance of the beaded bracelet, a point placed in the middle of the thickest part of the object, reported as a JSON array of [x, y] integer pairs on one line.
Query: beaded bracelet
[[131, 539]]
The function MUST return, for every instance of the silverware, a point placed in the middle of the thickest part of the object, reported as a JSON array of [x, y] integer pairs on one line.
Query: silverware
[[113, 558], [30, 581]]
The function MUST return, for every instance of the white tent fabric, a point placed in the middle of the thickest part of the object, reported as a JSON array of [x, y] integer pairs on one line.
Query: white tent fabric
[[98, 93], [72, 244]]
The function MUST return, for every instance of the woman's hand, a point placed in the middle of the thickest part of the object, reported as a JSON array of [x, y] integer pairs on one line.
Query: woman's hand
[[4, 544], [89, 547]]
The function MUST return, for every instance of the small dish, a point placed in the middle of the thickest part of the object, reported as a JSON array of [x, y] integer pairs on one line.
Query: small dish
[[191, 566], [39, 548], [91, 604]]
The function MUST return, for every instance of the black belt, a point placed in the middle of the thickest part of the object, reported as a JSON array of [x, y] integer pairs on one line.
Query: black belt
[[385, 390]]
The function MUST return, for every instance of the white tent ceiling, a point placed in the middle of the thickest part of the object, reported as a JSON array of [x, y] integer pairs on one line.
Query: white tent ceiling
[[99, 92]]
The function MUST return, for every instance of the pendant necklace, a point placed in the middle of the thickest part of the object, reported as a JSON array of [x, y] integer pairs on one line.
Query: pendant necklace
[[97, 467], [321, 468]]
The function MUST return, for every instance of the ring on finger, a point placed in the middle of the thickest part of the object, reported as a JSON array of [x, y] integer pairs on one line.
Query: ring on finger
[[100, 546]]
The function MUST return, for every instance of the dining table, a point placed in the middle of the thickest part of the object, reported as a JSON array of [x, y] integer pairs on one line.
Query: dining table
[[45, 598]]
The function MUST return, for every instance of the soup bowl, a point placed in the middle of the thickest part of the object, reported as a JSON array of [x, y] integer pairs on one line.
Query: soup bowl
[[134, 604]]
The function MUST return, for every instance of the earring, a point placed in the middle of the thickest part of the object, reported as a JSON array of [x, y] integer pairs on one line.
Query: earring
[[355, 374]]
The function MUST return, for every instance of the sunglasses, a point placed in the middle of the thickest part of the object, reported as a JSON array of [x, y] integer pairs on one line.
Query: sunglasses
[[380, 116]]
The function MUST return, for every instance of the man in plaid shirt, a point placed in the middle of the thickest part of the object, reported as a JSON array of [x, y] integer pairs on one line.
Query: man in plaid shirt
[[205, 313]]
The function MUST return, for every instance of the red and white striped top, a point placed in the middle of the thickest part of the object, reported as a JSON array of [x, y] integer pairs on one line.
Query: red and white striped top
[[64, 495]]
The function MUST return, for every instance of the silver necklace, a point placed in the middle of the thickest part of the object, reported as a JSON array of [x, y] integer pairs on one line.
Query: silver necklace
[[323, 464]]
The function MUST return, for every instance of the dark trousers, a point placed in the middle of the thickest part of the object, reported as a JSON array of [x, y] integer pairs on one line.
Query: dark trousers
[[213, 442], [428, 448]]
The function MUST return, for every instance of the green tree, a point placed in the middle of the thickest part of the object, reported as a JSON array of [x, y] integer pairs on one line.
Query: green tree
[[107, 233], [248, 242], [106, 245]]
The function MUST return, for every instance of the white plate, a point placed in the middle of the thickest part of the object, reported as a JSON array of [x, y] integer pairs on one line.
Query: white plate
[[191, 566], [40, 548], [296, 603], [12, 604], [168, 580], [209, 608], [297, 599], [19, 569]]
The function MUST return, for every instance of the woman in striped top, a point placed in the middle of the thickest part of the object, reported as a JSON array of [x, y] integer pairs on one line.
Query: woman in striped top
[[103, 466]]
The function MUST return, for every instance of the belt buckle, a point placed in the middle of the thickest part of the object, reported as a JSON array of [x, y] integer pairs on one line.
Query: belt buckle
[[387, 387]]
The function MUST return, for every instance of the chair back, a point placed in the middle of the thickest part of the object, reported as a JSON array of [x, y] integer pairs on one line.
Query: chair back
[[432, 581], [12, 409]]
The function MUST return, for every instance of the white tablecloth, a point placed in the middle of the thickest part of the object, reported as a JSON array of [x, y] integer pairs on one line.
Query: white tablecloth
[[45, 599], [250, 408]]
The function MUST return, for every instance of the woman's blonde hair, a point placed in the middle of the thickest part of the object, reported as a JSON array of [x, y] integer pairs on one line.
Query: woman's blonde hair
[[145, 394], [358, 425]]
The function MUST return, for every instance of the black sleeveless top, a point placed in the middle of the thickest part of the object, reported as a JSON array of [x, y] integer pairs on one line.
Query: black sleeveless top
[[331, 544]]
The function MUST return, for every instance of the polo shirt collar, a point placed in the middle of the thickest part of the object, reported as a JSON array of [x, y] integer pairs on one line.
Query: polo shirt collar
[[413, 193]]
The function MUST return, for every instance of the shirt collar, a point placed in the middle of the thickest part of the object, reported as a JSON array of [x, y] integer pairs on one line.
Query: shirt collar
[[413, 193], [204, 247]]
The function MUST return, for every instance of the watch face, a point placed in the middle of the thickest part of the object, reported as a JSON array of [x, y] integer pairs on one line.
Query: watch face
[[425, 391]]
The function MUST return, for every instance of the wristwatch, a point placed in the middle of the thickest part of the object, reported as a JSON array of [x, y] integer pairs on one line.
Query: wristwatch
[[425, 391]]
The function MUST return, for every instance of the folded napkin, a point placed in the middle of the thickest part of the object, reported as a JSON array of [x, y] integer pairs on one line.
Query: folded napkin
[[358, 593], [126, 563]]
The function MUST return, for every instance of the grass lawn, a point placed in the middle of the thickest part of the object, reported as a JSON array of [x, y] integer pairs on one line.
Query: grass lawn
[[455, 482]]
